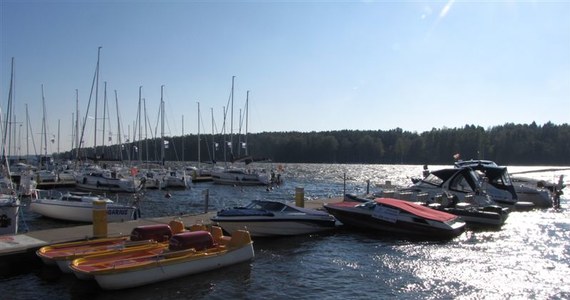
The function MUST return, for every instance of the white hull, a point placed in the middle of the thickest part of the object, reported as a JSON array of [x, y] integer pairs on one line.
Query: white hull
[[9, 212], [157, 272], [100, 182], [237, 178], [79, 211], [539, 197], [105, 188], [273, 228]]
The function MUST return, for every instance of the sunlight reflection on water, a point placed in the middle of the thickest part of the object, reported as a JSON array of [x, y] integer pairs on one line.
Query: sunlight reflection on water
[[528, 258]]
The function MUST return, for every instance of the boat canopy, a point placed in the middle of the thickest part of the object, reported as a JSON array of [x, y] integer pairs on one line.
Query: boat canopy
[[416, 209]]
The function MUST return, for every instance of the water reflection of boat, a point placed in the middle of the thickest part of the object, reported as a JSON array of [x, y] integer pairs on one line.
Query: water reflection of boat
[[397, 217]]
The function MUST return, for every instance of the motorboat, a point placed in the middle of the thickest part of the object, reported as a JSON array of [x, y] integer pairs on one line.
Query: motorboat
[[189, 252], [527, 190], [78, 206], [107, 181], [396, 216], [476, 215], [152, 238], [461, 182], [264, 218]]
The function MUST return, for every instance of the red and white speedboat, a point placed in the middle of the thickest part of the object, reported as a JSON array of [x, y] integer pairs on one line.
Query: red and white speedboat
[[397, 217]]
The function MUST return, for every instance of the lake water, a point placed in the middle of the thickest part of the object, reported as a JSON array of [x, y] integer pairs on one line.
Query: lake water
[[528, 258]]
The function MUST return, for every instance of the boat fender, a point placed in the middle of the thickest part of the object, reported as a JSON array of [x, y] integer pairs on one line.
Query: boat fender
[[157, 232], [199, 240]]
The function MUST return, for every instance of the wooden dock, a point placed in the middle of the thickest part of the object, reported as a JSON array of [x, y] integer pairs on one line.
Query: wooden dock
[[22, 247]]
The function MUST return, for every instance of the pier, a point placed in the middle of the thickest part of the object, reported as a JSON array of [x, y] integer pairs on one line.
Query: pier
[[21, 248]]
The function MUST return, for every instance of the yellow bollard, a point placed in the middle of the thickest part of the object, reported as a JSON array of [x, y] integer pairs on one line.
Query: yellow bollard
[[99, 219], [300, 197]]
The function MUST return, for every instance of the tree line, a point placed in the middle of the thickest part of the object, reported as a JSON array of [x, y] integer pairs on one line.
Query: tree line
[[508, 144]]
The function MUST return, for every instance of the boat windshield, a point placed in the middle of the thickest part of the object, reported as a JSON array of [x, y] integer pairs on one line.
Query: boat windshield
[[433, 180], [267, 205], [462, 184]]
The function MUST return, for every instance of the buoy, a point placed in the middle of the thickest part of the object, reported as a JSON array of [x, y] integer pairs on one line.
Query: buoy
[[168, 195]]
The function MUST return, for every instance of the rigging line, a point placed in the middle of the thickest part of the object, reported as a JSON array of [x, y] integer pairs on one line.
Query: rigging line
[[88, 105]]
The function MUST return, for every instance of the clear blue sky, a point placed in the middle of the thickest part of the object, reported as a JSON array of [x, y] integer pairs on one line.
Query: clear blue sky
[[309, 66]]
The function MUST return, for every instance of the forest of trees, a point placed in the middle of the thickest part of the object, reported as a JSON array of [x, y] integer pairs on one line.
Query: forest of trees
[[509, 144]]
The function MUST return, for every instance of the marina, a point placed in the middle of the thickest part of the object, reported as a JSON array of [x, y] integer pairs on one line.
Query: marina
[[524, 258]]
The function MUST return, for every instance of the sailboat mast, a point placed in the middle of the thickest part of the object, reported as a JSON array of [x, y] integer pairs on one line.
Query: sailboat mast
[[161, 125], [232, 119], [27, 131], [6, 138], [104, 113], [96, 100], [213, 140], [139, 129], [44, 129], [198, 135], [146, 131], [183, 138], [118, 127], [77, 119], [246, 120], [58, 133]]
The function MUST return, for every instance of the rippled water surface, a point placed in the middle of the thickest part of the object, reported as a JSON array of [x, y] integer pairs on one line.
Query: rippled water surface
[[528, 258]]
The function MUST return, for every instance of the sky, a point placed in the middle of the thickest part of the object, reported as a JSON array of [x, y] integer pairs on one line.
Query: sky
[[308, 66]]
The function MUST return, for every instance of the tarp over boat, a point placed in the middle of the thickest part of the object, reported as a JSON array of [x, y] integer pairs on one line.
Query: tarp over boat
[[416, 209]]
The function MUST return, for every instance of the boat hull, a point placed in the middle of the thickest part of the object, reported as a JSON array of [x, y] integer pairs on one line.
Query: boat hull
[[479, 217], [80, 211], [265, 227], [9, 215], [394, 222], [157, 271]]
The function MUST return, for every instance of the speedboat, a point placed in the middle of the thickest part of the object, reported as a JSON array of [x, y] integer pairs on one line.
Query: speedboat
[[77, 206], [476, 215], [461, 182], [264, 218], [151, 238], [189, 252], [526, 190], [397, 217]]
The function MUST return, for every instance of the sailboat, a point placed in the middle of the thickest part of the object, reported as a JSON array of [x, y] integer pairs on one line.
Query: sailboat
[[241, 175], [198, 173], [9, 201]]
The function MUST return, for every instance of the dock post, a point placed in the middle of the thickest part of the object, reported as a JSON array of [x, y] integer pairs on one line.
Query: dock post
[[99, 219], [368, 187], [300, 197], [206, 194]]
